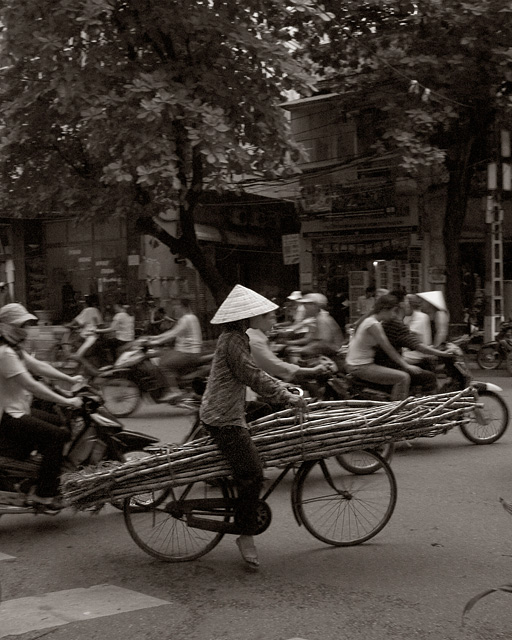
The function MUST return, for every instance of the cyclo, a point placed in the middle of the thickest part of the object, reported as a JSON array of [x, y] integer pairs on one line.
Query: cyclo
[[182, 523]]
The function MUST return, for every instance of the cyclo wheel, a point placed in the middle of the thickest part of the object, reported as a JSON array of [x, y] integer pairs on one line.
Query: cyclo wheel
[[488, 424], [121, 396], [340, 508], [360, 463], [162, 531]]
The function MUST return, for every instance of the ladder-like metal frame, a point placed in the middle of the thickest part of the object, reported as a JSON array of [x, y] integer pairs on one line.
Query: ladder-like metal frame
[[496, 218], [498, 182]]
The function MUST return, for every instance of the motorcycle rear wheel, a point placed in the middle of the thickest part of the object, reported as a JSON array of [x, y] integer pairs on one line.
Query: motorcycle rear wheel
[[141, 501], [362, 463], [121, 396], [489, 357]]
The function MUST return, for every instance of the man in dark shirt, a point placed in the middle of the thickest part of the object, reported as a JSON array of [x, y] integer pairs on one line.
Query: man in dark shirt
[[400, 336]]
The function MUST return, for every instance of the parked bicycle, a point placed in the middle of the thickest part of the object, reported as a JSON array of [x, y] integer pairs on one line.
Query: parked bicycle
[[338, 508]]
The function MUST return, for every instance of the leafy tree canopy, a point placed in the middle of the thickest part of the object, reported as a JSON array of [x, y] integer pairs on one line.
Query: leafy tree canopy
[[441, 73], [134, 107]]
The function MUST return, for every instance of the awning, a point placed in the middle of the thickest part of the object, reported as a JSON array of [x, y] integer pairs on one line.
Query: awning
[[207, 233]]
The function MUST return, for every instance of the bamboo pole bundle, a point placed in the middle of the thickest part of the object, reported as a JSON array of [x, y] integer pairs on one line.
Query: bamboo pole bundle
[[285, 437]]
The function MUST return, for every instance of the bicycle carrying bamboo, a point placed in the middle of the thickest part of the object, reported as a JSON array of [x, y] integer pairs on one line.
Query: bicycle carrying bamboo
[[325, 429]]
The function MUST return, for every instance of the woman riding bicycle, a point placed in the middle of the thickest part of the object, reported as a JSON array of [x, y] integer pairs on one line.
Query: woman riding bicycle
[[222, 409]]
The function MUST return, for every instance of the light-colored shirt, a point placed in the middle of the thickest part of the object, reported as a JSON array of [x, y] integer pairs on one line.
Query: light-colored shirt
[[89, 318], [266, 359], [187, 332], [419, 323], [361, 349], [123, 325], [327, 330], [441, 324], [14, 399]]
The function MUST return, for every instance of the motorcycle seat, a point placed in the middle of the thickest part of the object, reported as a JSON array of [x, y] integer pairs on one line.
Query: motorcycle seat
[[359, 382]]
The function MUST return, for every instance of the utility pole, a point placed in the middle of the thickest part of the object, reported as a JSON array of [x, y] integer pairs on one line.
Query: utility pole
[[498, 181]]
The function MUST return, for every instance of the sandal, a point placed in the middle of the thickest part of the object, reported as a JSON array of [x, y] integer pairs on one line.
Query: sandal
[[52, 503], [248, 552]]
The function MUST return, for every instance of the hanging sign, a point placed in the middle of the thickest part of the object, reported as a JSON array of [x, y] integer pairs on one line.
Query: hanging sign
[[291, 252]]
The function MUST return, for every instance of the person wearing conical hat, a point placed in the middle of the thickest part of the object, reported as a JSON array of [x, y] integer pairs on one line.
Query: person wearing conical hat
[[435, 306], [222, 410]]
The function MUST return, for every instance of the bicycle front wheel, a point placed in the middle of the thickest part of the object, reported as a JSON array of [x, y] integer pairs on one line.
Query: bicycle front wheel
[[340, 508], [162, 530]]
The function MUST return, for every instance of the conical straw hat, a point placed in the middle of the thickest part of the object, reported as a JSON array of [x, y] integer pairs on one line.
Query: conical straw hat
[[242, 303], [435, 298]]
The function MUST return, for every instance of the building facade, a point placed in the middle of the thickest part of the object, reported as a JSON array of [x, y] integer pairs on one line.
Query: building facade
[[363, 223]]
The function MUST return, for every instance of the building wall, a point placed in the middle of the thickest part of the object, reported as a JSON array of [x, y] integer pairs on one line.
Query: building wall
[[90, 257]]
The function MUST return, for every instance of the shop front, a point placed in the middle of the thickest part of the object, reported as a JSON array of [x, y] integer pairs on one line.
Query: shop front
[[360, 235]]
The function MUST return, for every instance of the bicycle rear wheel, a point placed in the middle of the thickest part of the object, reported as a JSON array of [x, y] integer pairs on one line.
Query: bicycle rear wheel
[[340, 508], [162, 531]]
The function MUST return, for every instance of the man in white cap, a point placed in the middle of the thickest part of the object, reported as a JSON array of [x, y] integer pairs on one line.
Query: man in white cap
[[267, 360], [23, 429], [295, 310], [222, 410], [324, 335]]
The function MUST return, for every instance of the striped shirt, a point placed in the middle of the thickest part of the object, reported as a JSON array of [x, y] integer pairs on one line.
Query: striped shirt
[[233, 369]]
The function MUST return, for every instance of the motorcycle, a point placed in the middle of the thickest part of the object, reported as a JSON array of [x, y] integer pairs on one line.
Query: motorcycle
[[491, 415], [487, 424], [470, 343], [135, 375], [492, 354], [95, 436]]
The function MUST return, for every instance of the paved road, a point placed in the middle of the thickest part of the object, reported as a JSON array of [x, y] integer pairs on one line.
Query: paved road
[[448, 539]]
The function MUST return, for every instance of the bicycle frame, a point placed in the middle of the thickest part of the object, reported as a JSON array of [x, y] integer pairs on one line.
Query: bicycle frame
[[219, 506], [336, 507]]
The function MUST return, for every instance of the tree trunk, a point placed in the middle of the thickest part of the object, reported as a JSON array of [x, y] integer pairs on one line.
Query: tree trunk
[[187, 247], [459, 167]]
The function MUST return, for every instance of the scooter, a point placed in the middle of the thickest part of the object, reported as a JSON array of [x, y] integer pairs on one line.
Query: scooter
[[136, 375], [492, 354], [95, 437]]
